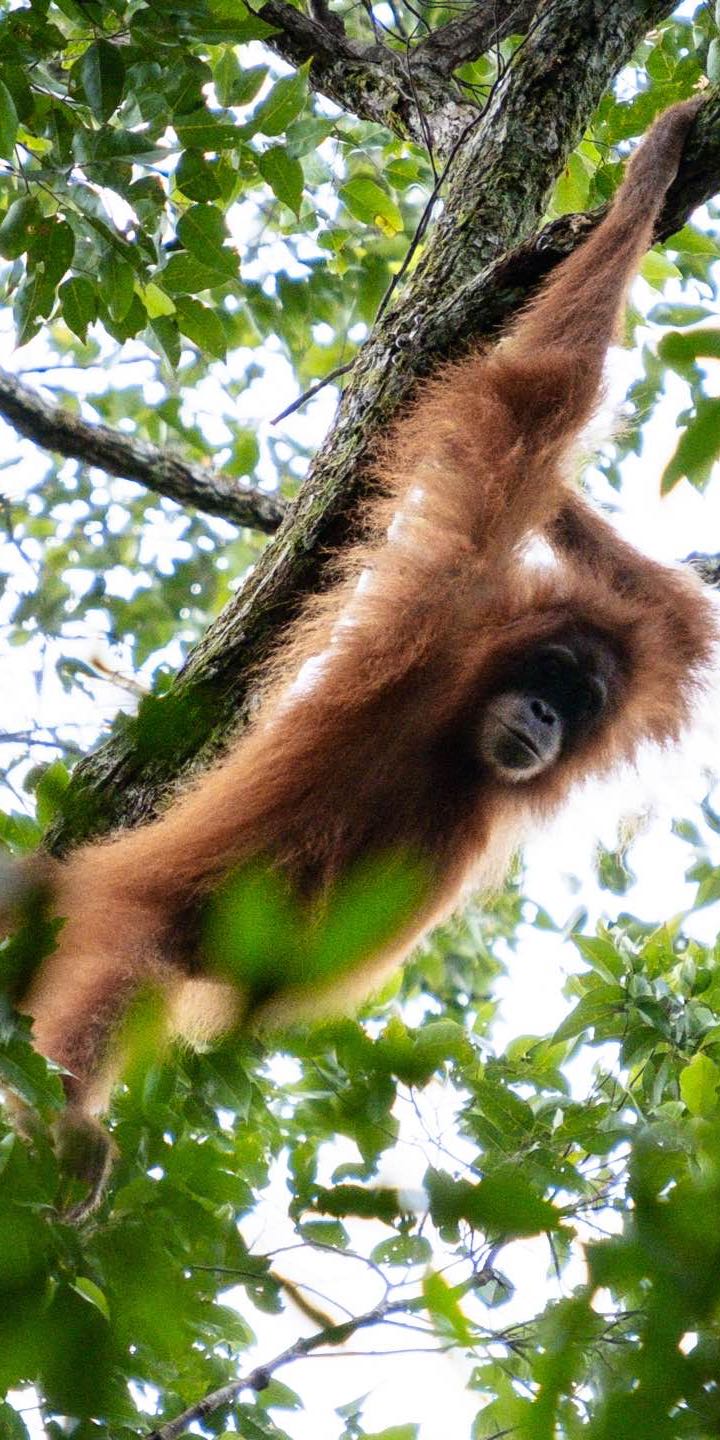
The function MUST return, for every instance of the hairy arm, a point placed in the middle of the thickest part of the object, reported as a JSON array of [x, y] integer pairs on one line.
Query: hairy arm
[[576, 315], [488, 438], [669, 603]]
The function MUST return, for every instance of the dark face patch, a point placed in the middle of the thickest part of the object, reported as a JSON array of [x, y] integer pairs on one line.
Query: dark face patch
[[546, 701], [574, 674]]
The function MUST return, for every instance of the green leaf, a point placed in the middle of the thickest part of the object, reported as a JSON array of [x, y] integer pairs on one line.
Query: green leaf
[[697, 448], [234, 84], [12, 1427], [325, 1232], [366, 908], [713, 61], [677, 314], [117, 282], [699, 1085], [156, 301], [442, 1304], [247, 83], [603, 1003], [102, 74], [601, 955], [694, 242], [395, 1432], [656, 268], [504, 1203], [572, 188], [306, 134], [374, 1203], [203, 132], [681, 351], [660, 65], [225, 74], [235, 22], [8, 123], [25, 1072], [131, 324], [17, 228], [201, 325], [185, 275], [281, 106], [79, 304], [403, 172], [368, 202], [50, 790], [203, 232], [166, 338], [277, 1396], [708, 890], [403, 1250], [195, 176], [283, 175], [33, 300], [58, 251], [91, 1292], [245, 453]]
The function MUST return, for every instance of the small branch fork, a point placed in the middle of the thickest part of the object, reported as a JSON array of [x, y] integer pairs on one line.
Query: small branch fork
[[410, 90], [515, 1337], [472, 34], [259, 1378], [162, 471]]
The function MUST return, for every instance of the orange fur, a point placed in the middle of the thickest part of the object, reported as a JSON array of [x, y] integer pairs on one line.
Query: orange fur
[[359, 755]]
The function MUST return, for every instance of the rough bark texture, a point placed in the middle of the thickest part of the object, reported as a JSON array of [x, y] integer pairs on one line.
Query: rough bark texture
[[159, 469], [463, 289], [480, 27], [409, 89]]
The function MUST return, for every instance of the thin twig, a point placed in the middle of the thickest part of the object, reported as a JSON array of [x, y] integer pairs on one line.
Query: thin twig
[[314, 390], [259, 1378]]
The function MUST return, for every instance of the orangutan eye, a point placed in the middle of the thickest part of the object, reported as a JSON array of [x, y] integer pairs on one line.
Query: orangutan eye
[[558, 662], [595, 695]]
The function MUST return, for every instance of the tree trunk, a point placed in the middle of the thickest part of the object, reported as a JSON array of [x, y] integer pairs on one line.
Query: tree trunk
[[477, 265]]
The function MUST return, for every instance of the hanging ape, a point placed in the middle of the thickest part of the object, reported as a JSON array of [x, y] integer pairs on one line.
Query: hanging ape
[[447, 691]]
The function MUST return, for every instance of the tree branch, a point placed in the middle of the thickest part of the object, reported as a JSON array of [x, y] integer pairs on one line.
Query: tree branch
[[161, 471], [410, 91], [371, 81], [481, 307], [259, 1378], [485, 24], [707, 567], [494, 197]]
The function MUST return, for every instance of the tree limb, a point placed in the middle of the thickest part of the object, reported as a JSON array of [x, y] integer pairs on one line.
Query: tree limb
[[410, 91], [371, 81], [481, 307], [707, 567], [259, 1378], [162, 471], [485, 24], [495, 196]]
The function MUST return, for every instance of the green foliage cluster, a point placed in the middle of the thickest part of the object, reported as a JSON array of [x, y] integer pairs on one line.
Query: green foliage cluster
[[141, 1293], [181, 219], [166, 198], [128, 131]]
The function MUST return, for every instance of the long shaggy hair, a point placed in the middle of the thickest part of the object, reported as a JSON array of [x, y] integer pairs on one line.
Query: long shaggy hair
[[361, 746]]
